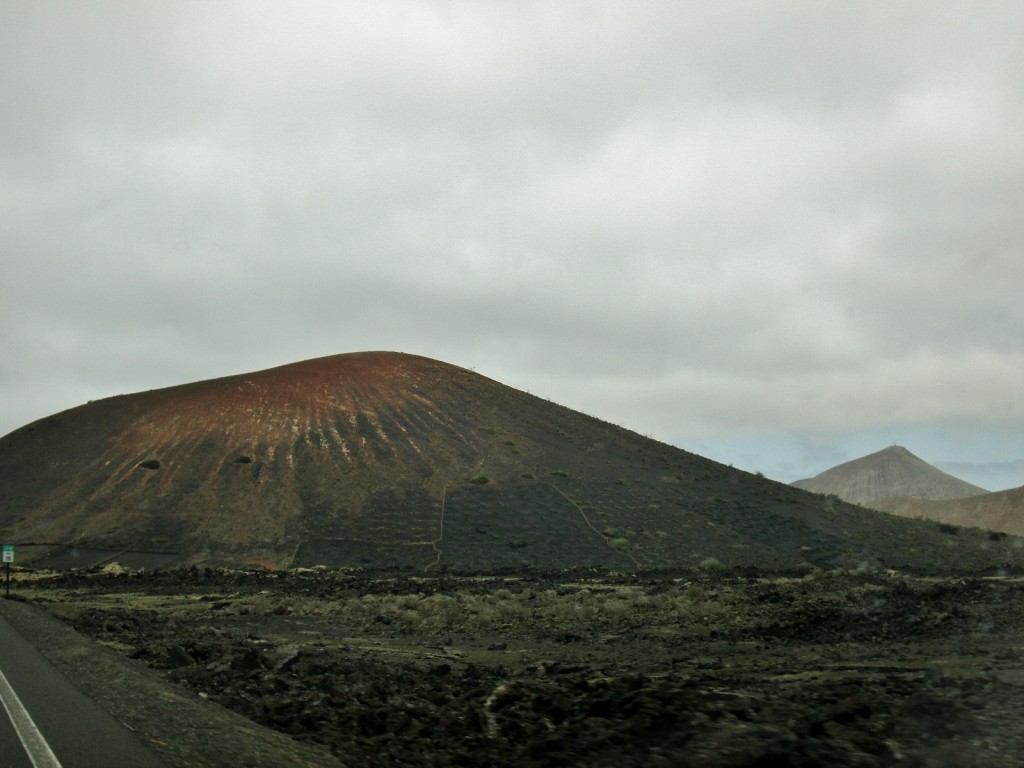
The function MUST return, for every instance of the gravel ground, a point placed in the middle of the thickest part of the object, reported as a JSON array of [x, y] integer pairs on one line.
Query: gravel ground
[[835, 668]]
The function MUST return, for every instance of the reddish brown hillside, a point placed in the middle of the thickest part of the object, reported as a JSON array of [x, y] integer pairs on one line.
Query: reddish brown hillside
[[239, 463], [393, 460], [1001, 511]]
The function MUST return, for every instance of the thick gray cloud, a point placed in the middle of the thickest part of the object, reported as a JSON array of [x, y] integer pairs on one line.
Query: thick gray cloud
[[705, 221]]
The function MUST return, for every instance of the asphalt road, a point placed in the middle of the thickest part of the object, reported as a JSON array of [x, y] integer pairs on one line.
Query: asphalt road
[[45, 722]]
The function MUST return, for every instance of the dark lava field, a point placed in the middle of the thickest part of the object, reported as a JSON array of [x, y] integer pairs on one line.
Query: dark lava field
[[722, 668]]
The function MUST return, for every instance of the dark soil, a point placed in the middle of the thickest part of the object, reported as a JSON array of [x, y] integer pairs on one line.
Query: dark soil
[[829, 669]]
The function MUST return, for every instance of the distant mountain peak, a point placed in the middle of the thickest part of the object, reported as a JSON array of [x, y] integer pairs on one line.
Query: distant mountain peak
[[896, 449], [893, 472]]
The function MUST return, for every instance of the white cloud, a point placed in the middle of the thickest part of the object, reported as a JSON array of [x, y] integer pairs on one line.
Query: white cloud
[[698, 222]]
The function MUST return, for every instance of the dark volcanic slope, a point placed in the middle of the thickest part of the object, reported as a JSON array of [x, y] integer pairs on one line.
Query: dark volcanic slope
[[893, 472], [386, 459]]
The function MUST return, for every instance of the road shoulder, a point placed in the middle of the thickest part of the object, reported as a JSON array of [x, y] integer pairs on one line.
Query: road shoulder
[[182, 728]]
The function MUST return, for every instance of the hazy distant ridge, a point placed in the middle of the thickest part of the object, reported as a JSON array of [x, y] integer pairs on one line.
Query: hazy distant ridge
[[1002, 511], [896, 481], [998, 476]]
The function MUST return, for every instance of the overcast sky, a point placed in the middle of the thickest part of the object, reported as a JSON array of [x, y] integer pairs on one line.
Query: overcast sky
[[780, 234]]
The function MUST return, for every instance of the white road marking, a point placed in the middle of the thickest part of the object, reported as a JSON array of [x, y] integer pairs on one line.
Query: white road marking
[[32, 740]]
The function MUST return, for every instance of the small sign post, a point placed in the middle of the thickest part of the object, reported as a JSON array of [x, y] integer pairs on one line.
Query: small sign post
[[8, 553]]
